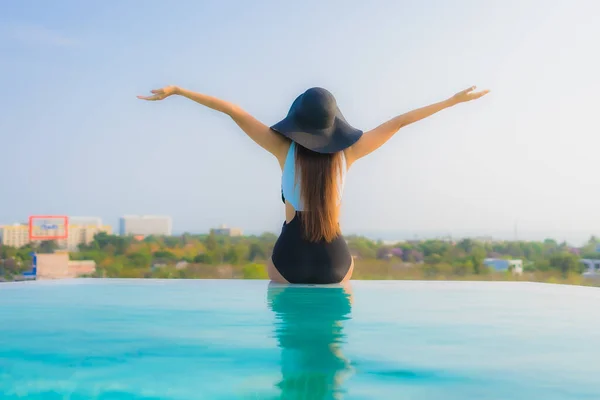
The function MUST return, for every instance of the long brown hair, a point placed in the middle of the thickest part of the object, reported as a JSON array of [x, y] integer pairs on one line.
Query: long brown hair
[[318, 174]]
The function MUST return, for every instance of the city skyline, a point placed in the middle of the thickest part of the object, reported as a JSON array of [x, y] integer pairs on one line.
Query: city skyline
[[573, 237], [524, 153], [145, 225]]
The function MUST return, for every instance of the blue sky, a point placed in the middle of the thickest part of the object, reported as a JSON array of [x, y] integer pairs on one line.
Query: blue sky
[[75, 140]]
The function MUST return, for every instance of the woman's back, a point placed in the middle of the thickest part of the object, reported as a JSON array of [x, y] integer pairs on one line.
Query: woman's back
[[291, 181], [313, 184], [311, 248]]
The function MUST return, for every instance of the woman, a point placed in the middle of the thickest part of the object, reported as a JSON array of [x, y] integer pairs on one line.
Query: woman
[[315, 146]]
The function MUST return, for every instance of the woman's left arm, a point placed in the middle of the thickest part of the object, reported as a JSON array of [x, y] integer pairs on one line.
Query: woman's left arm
[[264, 136], [375, 138]]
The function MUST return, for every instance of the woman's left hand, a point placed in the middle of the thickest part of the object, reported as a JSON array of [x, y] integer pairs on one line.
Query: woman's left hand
[[468, 95], [160, 94]]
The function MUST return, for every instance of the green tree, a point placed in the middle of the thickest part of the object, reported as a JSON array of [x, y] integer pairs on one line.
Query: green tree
[[255, 271], [466, 245], [114, 270], [12, 266], [566, 263], [431, 247], [47, 247], [165, 255], [7, 252], [478, 254], [101, 239], [514, 250], [256, 252], [237, 254], [364, 247], [173, 241], [204, 258], [151, 239], [139, 259], [268, 237], [211, 242], [590, 249], [108, 243], [433, 259], [463, 268]]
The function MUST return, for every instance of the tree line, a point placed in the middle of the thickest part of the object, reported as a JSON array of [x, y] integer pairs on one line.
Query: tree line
[[214, 256]]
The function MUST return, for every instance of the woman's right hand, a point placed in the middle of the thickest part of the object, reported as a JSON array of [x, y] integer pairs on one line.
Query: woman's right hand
[[468, 95], [160, 94]]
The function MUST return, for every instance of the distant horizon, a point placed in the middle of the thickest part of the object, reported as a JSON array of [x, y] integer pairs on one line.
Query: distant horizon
[[572, 237]]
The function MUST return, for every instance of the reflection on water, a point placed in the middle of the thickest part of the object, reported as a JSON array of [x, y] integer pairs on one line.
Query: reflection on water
[[309, 330]]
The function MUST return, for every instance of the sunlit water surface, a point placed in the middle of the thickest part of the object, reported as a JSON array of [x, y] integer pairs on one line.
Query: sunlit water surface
[[220, 339]]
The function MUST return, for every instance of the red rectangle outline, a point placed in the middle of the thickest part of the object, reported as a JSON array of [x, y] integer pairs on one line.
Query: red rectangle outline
[[65, 221]]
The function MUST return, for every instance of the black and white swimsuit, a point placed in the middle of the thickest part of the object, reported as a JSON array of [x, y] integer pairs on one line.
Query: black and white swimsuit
[[297, 259]]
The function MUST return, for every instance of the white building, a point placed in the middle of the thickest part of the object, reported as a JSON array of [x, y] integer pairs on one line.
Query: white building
[[15, 235], [592, 267], [224, 230], [145, 225], [516, 266], [82, 234], [78, 231], [500, 265]]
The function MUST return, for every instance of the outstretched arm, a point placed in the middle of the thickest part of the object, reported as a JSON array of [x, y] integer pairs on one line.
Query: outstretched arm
[[375, 138], [256, 130]]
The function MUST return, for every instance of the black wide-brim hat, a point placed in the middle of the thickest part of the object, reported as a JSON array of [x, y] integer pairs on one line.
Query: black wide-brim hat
[[316, 123]]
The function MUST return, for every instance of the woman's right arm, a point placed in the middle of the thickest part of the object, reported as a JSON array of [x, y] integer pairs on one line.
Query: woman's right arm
[[256, 130], [375, 138]]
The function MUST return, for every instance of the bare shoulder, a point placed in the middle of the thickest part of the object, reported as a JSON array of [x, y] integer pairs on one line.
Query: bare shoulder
[[260, 133], [369, 142]]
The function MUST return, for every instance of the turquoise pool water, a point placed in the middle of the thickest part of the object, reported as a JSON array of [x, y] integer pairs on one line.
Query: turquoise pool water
[[211, 339]]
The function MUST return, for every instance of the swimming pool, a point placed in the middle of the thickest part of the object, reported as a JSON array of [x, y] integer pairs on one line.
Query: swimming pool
[[220, 339]]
